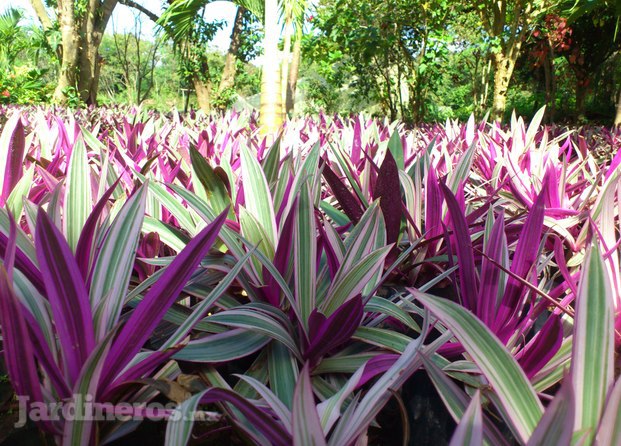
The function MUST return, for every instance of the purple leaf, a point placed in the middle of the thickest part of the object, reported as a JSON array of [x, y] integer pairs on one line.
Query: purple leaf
[[467, 272], [267, 425], [282, 256], [542, 347], [45, 356], [139, 370], [347, 200], [550, 181], [14, 168], [156, 302], [18, 350], [85, 242], [433, 206], [490, 273], [376, 365], [67, 295], [328, 333], [523, 261], [388, 190]]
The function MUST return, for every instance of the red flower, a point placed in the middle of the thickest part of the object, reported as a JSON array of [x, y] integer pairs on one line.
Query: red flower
[[5, 93]]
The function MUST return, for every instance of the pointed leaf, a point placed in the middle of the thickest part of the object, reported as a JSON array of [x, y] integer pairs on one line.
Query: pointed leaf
[[67, 295], [160, 297], [506, 377], [388, 190], [469, 431], [78, 201], [307, 428], [592, 367]]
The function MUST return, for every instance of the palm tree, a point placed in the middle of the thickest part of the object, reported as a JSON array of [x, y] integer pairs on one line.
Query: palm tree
[[293, 11], [271, 111], [178, 22]]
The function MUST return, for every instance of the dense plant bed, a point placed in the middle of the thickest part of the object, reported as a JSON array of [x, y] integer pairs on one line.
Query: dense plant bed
[[170, 267]]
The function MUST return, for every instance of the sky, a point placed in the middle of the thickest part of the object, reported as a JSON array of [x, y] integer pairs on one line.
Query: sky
[[123, 18]]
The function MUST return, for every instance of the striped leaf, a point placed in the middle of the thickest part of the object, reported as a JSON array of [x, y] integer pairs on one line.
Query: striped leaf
[[283, 372], [251, 319], [469, 431], [223, 347], [307, 428], [216, 193], [609, 432], [15, 201], [305, 255], [67, 295], [258, 200], [517, 396], [78, 201], [114, 263], [78, 432], [199, 311], [388, 339], [167, 200], [179, 427], [388, 308], [456, 402], [592, 368], [357, 419], [12, 151], [279, 408], [556, 425], [395, 147], [351, 282]]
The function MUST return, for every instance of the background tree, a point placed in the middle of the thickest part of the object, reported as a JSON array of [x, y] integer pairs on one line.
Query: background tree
[[179, 19], [82, 24], [137, 58], [183, 22], [600, 12], [293, 12], [507, 23], [271, 110], [392, 48]]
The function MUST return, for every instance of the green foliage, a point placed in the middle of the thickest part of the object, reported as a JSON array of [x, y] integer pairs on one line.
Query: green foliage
[[383, 51], [21, 80], [23, 85], [131, 61], [251, 45]]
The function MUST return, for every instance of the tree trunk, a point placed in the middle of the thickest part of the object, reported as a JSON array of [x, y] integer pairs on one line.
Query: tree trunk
[[294, 70], [286, 58], [203, 93], [70, 38], [80, 38], [230, 63], [270, 116], [88, 79], [503, 69], [480, 85]]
